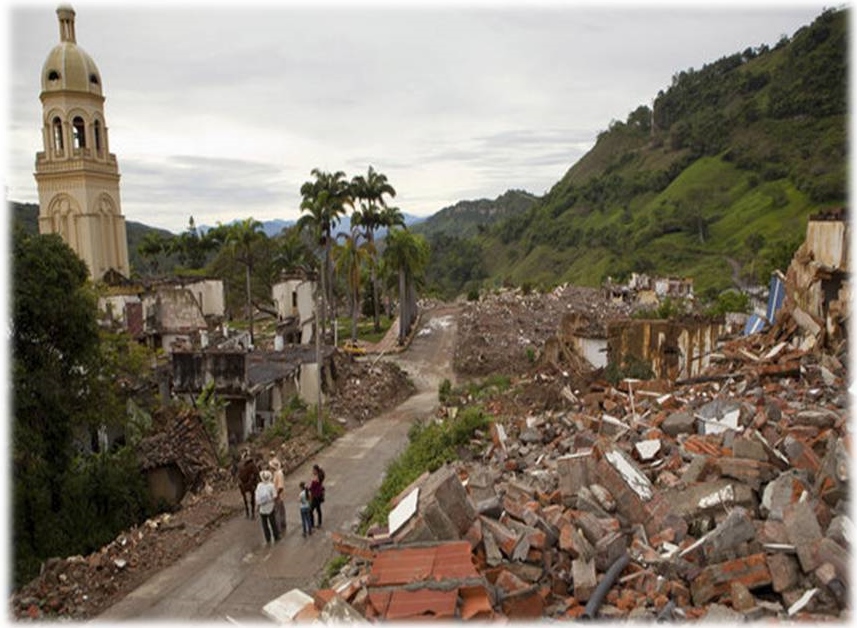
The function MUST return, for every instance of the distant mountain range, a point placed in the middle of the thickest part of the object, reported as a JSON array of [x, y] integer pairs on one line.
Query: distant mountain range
[[275, 227]]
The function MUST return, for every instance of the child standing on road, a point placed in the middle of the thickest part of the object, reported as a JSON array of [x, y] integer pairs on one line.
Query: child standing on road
[[306, 514]]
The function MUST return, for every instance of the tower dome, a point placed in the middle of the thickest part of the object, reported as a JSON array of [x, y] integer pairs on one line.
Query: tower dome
[[68, 66]]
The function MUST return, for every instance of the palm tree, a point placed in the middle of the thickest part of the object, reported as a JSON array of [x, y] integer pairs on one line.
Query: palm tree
[[324, 199], [241, 237], [349, 258], [372, 188], [409, 254]]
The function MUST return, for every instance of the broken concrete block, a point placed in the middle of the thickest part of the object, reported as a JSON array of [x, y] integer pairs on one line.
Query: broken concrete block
[[719, 416], [706, 498], [605, 499], [749, 448], [742, 599], [493, 557], [527, 572], [715, 580], [285, 608], [586, 501], [841, 530], [505, 538], [679, 423], [573, 471], [785, 571], [584, 578], [647, 450], [804, 533], [801, 455], [783, 491], [695, 471], [337, 612], [608, 549], [735, 529]]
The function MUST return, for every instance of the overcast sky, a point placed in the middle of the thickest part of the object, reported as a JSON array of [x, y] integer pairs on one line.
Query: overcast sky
[[221, 113]]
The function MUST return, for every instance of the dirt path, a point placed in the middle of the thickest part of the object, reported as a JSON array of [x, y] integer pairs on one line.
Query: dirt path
[[233, 574]]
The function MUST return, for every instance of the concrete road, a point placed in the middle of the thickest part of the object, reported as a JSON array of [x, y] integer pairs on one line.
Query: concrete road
[[234, 574]]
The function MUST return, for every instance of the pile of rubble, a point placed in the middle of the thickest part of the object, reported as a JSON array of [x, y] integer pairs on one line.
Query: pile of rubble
[[723, 497], [504, 332], [365, 387]]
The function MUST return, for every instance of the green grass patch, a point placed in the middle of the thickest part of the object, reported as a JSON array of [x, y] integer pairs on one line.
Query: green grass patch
[[432, 444]]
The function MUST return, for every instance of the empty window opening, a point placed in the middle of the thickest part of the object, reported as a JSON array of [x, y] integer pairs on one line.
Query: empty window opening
[[57, 129], [97, 132], [53, 75], [294, 298], [93, 79], [79, 133]]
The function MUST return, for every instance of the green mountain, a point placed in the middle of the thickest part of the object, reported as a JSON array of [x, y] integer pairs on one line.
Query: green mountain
[[468, 218], [715, 182]]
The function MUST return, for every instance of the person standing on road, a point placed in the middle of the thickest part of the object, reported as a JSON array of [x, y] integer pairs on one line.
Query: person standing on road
[[306, 514], [265, 498], [280, 489], [316, 491]]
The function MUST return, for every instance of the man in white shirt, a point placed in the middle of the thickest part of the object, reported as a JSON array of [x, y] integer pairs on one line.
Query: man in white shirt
[[265, 496]]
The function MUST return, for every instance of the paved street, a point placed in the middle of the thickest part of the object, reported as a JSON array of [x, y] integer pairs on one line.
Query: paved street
[[234, 574]]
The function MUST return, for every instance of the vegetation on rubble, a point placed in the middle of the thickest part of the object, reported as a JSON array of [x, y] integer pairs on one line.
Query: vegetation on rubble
[[432, 444], [628, 367]]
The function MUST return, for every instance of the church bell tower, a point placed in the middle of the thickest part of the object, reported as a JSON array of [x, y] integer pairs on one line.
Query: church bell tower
[[76, 174]]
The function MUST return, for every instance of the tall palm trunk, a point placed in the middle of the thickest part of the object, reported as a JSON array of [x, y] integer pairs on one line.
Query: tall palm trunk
[[403, 307], [376, 305], [249, 302]]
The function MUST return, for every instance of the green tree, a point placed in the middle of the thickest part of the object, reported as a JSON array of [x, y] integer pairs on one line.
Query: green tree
[[240, 238], [409, 254], [151, 248], [191, 248], [324, 199], [372, 189], [349, 259], [64, 384]]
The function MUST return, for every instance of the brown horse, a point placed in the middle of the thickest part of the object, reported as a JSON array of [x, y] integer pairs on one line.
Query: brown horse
[[248, 478]]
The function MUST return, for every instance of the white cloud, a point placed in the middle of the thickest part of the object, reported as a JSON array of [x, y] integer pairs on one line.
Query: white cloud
[[221, 112]]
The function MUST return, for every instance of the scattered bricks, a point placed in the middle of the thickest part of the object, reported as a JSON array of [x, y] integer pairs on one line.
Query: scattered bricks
[[352, 545], [584, 579], [714, 581], [742, 599], [773, 532], [575, 543], [474, 534], [505, 538], [534, 536], [679, 423], [804, 533], [527, 604], [831, 552], [508, 582], [751, 472], [573, 472], [550, 531], [529, 573], [591, 526]]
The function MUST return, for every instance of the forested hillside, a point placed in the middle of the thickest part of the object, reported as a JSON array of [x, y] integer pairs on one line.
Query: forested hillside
[[722, 172]]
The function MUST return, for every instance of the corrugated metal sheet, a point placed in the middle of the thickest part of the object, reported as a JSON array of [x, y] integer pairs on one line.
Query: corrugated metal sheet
[[754, 324], [776, 294]]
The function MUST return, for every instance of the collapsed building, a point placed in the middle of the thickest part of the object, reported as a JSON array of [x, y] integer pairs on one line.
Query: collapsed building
[[717, 492]]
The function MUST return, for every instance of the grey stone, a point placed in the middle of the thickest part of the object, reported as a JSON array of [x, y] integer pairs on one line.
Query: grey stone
[[678, 423]]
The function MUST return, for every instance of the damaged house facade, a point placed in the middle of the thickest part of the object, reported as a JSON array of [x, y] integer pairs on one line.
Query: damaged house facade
[[255, 385], [294, 297]]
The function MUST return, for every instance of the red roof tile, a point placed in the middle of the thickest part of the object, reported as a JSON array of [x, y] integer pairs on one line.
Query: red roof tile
[[422, 603], [414, 564]]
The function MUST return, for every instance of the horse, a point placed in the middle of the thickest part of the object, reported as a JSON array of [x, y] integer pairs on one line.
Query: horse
[[248, 478]]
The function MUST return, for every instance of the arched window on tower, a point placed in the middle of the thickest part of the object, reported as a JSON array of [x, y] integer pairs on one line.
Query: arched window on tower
[[97, 132], [56, 125], [79, 132]]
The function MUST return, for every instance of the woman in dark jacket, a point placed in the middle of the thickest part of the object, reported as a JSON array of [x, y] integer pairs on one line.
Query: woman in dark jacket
[[316, 490]]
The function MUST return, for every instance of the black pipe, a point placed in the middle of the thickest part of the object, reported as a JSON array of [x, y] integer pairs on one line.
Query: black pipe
[[594, 603]]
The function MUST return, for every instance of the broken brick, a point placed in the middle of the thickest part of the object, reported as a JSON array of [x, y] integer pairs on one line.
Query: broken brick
[[715, 580]]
